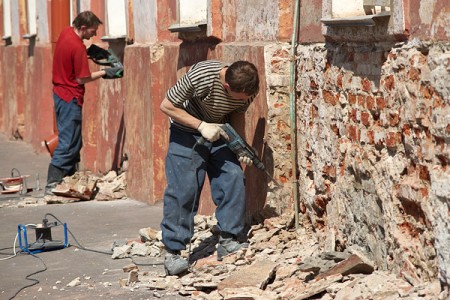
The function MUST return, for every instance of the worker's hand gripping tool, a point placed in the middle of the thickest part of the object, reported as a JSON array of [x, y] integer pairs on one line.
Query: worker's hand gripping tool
[[107, 58], [240, 147]]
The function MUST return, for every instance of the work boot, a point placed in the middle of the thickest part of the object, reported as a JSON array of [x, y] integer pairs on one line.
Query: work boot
[[228, 245], [55, 176], [174, 263]]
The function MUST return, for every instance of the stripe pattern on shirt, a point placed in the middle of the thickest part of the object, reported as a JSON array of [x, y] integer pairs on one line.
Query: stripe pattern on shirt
[[201, 93]]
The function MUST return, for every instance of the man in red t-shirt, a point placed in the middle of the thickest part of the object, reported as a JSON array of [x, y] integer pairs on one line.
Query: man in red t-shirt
[[70, 73]]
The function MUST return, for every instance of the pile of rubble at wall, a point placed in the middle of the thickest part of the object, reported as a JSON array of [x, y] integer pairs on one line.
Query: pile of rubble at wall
[[89, 186], [280, 263]]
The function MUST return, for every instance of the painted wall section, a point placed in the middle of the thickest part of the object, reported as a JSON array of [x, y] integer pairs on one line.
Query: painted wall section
[[43, 24]]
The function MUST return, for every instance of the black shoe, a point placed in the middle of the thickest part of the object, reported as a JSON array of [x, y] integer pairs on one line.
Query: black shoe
[[55, 176], [228, 246]]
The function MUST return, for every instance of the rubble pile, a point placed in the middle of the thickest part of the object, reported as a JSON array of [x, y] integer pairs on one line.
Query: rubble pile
[[280, 263], [89, 186]]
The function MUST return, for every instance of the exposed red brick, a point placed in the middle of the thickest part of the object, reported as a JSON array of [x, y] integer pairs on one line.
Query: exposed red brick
[[371, 137], [414, 74], [353, 133], [406, 129], [313, 84], [394, 119], [381, 103], [339, 80], [335, 129], [328, 97], [353, 115], [366, 85], [438, 102], [426, 91], [424, 192], [365, 118], [389, 82], [321, 203], [423, 173], [342, 170], [351, 98], [370, 103], [361, 100], [393, 139]]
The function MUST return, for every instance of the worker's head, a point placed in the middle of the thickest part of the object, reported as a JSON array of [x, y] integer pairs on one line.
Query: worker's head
[[86, 23], [242, 79]]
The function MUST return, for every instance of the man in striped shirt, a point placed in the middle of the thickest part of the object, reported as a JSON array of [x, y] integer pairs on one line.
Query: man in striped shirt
[[208, 95]]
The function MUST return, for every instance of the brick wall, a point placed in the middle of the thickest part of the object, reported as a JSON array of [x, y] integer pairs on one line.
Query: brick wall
[[373, 135]]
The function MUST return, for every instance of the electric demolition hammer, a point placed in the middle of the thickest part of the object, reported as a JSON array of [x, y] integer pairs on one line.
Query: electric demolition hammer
[[107, 58], [240, 147]]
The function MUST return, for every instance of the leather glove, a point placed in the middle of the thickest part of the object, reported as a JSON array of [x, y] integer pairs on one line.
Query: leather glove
[[113, 73], [245, 160], [211, 131]]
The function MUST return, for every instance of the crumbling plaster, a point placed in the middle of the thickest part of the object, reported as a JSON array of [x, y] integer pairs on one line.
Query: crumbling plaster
[[373, 151]]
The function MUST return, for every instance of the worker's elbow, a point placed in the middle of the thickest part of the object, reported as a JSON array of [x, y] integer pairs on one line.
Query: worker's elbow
[[164, 106]]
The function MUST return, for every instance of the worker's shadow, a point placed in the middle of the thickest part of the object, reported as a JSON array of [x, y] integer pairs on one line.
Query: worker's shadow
[[206, 248]]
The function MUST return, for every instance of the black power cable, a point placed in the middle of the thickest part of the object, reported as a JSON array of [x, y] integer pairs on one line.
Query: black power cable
[[35, 281]]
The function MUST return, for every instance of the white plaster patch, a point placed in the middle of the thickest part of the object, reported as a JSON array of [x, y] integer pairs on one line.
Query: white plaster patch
[[426, 11]]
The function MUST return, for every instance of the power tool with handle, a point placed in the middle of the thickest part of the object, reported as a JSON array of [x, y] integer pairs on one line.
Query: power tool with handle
[[240, 147]]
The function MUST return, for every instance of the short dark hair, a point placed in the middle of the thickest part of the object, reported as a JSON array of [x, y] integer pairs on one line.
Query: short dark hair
[[242, 76], [86, 18]]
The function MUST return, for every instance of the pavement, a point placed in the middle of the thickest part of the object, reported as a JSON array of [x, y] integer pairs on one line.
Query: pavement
[[95, 225]]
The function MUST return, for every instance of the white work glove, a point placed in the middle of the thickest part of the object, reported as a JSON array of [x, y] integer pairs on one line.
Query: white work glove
[[211, 131], [245, 160]]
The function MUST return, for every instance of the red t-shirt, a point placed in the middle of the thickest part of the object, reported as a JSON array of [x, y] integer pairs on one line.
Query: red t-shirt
[[70, 61]]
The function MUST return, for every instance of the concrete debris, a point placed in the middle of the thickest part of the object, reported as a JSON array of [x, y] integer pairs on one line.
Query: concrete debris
[[80, 186], [133, 277], [74, 282], [88, 186], [280, 263]]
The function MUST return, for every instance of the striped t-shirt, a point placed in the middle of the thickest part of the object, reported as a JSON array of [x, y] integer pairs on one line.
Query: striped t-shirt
[[200, 93]]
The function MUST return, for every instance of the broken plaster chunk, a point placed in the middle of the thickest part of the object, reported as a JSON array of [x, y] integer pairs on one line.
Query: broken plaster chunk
[[354, 264], [130, 267], [133, 277], [74, 282], [121, 252], [256, 275], [148, 234]]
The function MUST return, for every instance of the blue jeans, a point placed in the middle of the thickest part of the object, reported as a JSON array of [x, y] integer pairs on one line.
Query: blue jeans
[[186, 169], [68, 121]]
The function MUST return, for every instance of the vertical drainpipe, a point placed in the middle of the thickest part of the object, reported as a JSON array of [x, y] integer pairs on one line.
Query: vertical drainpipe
[[293, 112], [60, 18]]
